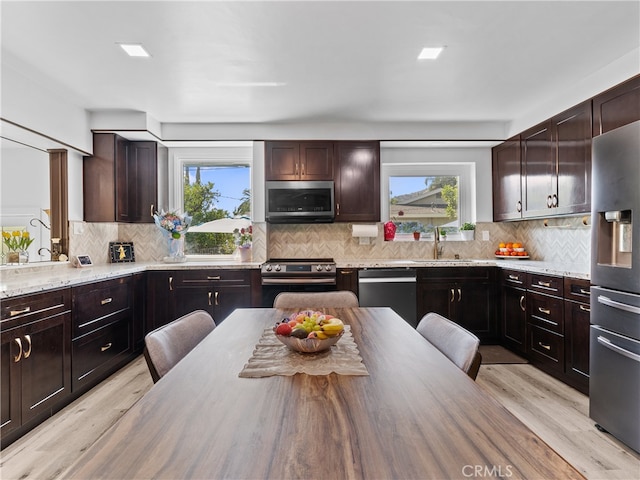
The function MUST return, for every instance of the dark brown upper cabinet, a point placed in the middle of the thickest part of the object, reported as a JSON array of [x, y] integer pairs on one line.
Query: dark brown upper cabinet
[[287, 160], [538, 171], [617, 106], [120, 180], [357, 181], [507, 180]]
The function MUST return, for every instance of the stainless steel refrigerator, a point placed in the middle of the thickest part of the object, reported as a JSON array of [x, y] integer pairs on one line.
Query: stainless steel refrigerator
[[614, 364]]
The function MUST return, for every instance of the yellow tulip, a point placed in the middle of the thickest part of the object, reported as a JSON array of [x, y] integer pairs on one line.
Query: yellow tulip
[[16, 233]]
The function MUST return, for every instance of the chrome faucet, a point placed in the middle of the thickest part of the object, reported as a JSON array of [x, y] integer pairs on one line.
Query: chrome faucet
[[436, 241]]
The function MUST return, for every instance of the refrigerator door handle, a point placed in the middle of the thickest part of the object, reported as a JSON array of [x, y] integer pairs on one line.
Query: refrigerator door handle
[[619, 305], [605, 342]]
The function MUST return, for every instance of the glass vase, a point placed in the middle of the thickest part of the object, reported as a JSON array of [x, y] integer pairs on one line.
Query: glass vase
[[176, 250], [245, 253]]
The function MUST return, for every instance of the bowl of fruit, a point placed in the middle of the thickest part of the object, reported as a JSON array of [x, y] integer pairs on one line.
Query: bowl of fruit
[[309, 331]]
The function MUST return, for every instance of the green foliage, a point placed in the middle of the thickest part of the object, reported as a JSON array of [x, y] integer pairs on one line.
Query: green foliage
[[468, 226], [450, 195], [440, 182], [244, 209]]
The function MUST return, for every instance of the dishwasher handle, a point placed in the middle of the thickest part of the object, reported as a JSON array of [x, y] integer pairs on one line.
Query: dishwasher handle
[[388, 280]]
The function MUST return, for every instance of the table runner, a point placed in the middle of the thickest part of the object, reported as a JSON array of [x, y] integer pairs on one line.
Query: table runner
[[270, 357]]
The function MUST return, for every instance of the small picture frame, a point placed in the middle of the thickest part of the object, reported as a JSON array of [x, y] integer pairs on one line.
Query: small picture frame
[[121, 252]]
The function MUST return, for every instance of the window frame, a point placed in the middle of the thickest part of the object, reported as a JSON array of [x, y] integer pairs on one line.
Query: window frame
[[223, 153], [465, 171]]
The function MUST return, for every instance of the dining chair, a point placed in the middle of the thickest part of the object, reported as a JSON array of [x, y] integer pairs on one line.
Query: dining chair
[[457, 343], [165, 346], [337, 299]]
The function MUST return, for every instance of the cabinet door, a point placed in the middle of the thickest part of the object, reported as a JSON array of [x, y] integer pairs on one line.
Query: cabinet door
[[194, 298], [227, 299], [572, 138], [436, 297], [507, 181], [514, 319], [123, 178], [142, 181], [576, 324], [617, 106], [538, 171], [282, 161], [347, 279], [10, 376], [357, 182], [45, 363], [316, 161], [160, 291], [99, 180], [475, 309]]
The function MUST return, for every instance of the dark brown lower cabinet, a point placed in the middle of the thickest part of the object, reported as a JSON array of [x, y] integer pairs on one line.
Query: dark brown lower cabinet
[[576, 324], [35, 360], [465, 295]]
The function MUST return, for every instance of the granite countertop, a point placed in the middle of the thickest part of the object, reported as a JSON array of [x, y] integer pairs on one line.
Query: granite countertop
[[37, 278]]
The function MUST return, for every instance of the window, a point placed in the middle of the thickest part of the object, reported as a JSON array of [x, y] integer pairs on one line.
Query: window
[[214, 187], [421, 196]]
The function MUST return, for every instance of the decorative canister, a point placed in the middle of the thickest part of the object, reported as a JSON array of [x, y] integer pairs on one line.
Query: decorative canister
[[389, 231]]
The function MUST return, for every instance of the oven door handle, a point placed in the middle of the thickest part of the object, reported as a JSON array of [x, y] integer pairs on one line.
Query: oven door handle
[[605, 342], [298, 281], [619, 305]]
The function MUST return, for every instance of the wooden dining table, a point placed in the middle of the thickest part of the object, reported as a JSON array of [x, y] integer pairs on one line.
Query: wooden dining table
[[414, 416]]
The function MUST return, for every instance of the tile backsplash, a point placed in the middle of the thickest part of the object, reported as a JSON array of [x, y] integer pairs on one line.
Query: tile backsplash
[[562, 240]]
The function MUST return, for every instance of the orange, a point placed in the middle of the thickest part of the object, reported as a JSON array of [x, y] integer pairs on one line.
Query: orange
[[502, 245]]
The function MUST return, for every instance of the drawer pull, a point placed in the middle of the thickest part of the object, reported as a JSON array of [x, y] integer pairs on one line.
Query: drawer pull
[[13, 313], [27, 354], [546, 347], [209, 298], [106, 347], [17, 358], [546, 311], [585, 309], [585, 292], [544, 284], [522, 303], [514, 277], [105, 301], [346, 272], [213, 278], [170, 284]]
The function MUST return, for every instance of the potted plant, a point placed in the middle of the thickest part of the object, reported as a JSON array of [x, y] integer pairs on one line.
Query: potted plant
[[467, 231]]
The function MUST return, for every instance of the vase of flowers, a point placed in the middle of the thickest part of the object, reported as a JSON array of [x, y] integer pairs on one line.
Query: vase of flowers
[[243, 241], [174, 227], [17, 243]]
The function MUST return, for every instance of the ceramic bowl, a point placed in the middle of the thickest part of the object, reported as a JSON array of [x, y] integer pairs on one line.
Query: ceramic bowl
[[309, 345]]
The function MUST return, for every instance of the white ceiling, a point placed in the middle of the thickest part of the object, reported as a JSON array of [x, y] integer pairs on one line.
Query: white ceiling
[[336, 61]]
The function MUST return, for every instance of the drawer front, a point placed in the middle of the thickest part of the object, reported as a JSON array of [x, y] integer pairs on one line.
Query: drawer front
[[96, 304], [546, 284], [546, 312], [29, 308], [198, 278], [453, 273], [514, 277], [547, 348], [95, 353], [577, 289]]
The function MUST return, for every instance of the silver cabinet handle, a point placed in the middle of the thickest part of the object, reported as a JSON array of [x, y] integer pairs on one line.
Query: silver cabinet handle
[[546, 311], [170, 283], [13, 313], [27, 354], [213, 278], [619, 305], [453, 296], [522, 303], [585, 292], [546, 347], [514, 277], [17, 358], [209, 298], [216, 298], [105, 301], [106, 347], [544, 284], [605, 342], [585, 309], [518, 206], [459, 294]]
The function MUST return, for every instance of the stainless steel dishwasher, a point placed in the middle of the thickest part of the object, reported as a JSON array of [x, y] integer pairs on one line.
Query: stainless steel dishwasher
[[389, 287]]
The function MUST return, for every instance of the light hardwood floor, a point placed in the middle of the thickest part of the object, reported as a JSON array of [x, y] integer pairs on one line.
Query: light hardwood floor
[[556, 412]]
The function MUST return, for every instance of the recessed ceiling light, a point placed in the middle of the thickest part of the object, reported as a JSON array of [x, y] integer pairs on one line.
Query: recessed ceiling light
[[134, 49], [430, 53]]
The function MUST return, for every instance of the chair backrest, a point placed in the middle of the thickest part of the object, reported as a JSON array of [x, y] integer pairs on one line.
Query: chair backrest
[[458, 344], [302, 300], [167, 345]]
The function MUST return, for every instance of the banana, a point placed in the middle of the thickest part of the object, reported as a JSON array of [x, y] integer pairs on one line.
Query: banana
[[321, 335], [332, 327]]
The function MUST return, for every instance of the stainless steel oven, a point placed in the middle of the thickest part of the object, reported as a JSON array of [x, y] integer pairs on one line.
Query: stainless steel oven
[[296, 275]]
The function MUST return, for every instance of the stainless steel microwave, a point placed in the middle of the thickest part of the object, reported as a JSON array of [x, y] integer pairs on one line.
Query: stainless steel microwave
[[300, 201]]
